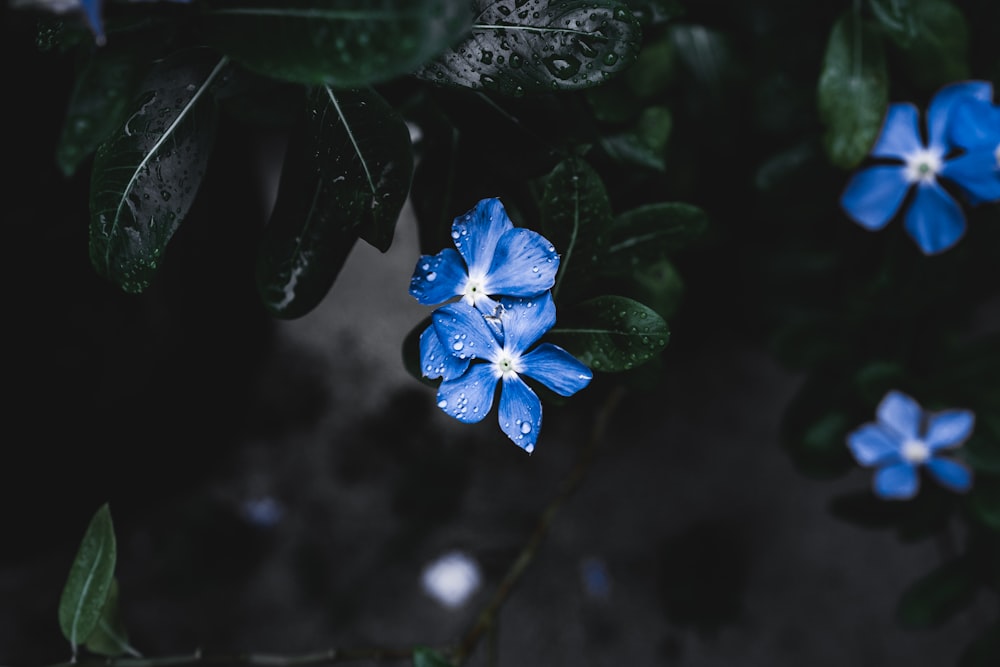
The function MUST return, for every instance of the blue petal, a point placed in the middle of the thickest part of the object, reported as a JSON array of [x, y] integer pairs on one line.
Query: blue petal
[[477, 232], [464, 332], [945, 101], [934, 220], [900, 132], [950, 474], [896, 482], [526, 320], [901, 415], [437, 279], [92, 12], [977, 173], [873, 445], [520, 413], [976, 124], [525, 264], [949, 428], [873, 195], [557, 369], [469, 397], [437, 361]]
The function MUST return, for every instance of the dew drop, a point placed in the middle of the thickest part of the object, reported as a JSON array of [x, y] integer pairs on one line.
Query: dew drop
[[525, 428], [458, 346], [443, 403], [431, 277]]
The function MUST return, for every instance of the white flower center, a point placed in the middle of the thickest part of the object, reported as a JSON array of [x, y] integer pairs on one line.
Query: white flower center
[[915, 451], [475, 291], [923, 165], [507, 365]]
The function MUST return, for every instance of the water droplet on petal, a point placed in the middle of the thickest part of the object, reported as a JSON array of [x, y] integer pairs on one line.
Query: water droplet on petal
[[525, 427], [431, 277]]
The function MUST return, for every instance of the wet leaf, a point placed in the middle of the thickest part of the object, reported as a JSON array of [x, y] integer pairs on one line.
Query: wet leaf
[[936, 597], [340, 43], [853, 91], [347, 173], [576, 213], [110, 637], [146, 176], [517, 47], [98, 104], [90, 580], [649, 233], [611, 333]]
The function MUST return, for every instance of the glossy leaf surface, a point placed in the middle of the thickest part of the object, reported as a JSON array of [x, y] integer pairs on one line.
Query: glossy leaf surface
[[90, 580], [611, 333], [110, 637], [147, 174], [341, 43], [346, 174], [853, 91], [518, 47]]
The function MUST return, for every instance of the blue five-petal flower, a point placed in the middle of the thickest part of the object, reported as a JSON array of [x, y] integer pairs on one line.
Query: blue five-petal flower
[[903, 438], [494, 258], [492, 353], [933, 218]]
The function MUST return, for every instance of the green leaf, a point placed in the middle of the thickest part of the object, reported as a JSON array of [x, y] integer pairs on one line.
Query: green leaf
[[611, 333], [98, 104], [644, 145], [90, 580], [654, 70], [658, 285], [853, 91], [933, 39], [340, 43], [110, 637], [897, 18], [425, 657], [936, 597], [347, 173], [539, 46], [649, 233], [575, 213], [147, 174]]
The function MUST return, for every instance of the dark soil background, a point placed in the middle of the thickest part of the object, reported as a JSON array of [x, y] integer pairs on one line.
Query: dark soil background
[[181, 406]]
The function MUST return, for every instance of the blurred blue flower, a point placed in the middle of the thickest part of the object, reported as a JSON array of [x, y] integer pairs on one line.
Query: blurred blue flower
[[976, 129], [933, 218], [494, 258], [904, 438], [494, 349]]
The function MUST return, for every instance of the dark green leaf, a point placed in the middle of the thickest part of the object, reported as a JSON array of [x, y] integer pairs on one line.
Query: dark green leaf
[[649, 233], [540, 46], [340, 43], [425, 657], [936, 597], [90, 580], [658, 285], [933, 39], [611, 333], [853, 91], [346, 173], [97, 107], [877, 378], [897, 18], [654, 70], [655, 12], [575, 213], [147, 174], [644, 145], [110, 637]]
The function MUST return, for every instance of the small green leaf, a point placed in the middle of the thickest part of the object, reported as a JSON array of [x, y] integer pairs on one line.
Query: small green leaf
[[575, 213], [897, 18], [611, 333], [340, 43], [939, 595], [539, 46], [347, 173], [645, 144], [654, 70], [110, 637], [932, 37], [853, 90], [650, 233], [98, 104], [90, 580], [147, 174], [425, 657]]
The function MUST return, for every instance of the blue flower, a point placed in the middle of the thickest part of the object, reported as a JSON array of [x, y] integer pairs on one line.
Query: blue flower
[[933, 219], [492, 350], [976, 129], [904, 438], [494, 258]]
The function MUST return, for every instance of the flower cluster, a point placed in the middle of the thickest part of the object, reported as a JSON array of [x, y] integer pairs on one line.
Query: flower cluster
[[904, 438], [962, 148], [497, 284]]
